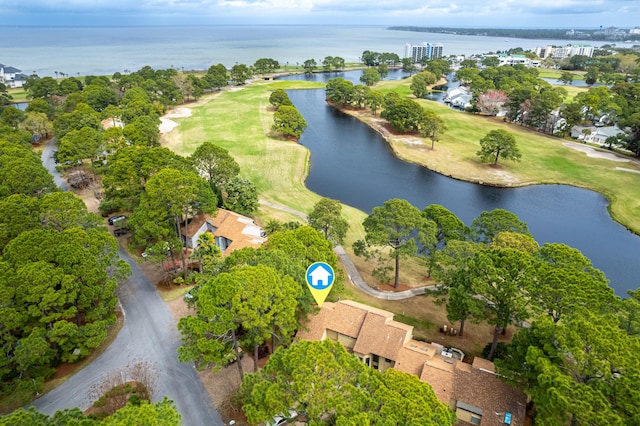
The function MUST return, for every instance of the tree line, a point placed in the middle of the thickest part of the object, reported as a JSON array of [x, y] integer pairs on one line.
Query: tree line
[[531, 101], [576, 352], [51, 245], [60, 269], [258, 298], [405, 115]]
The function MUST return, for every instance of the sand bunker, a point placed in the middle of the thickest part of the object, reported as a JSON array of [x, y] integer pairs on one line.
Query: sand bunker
[[167, 125], [594, 153], [179, 113]]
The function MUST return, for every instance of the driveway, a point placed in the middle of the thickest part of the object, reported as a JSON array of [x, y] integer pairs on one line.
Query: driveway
[[149, 336], [49, 163]]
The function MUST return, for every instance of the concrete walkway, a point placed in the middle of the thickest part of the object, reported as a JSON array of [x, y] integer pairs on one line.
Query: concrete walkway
[[352, 272]]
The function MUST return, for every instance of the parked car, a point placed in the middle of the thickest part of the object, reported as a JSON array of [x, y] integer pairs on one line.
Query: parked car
[[113, 219]]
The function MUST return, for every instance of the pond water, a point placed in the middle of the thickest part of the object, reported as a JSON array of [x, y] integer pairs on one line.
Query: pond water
[[352, 163]]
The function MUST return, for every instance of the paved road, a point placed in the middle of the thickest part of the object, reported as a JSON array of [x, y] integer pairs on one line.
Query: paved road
[[149, 336]]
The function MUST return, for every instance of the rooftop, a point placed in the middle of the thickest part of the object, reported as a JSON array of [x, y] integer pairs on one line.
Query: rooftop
[[239, 229], [456, 383]]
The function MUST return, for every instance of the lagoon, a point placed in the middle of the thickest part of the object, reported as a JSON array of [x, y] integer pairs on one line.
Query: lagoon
[[352, 163], [359, 169]]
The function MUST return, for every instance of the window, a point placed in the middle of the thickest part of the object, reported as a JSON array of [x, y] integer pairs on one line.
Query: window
[[376, 360]]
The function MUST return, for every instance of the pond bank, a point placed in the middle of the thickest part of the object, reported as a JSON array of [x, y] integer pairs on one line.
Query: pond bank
[[415, 149]]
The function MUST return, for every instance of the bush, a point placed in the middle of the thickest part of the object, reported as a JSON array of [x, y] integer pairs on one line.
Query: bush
[[101, 402], [135, 400]]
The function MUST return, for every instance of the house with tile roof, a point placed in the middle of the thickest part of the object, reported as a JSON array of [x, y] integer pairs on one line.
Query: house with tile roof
[[473, 391], [232, 231], [11, 77]]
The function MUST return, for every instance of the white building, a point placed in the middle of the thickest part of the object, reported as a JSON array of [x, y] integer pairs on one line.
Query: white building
[[417, 52], [459, 98], [564, 51], [514, 60], [11, 76]]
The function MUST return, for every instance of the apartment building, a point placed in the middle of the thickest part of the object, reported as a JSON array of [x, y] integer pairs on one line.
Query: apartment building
[[11, 77], [419, 51], [562, 52]]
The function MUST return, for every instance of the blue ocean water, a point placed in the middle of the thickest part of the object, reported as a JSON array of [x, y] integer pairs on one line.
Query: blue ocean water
[[105, 50]]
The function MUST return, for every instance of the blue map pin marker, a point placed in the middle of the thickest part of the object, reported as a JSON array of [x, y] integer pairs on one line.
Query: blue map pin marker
[[320, 278]]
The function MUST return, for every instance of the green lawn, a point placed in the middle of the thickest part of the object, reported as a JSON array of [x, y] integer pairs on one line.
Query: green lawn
[[549, 73], [240, 121], [544, 160], [18, 94], [572, 91]]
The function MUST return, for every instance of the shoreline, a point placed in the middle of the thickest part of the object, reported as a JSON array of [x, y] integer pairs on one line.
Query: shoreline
[[393, 140]]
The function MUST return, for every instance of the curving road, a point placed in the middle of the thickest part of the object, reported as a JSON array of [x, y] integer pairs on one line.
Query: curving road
[[149, 336]]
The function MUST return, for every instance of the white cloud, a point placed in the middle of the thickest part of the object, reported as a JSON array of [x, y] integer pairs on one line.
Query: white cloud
[[471, 13]]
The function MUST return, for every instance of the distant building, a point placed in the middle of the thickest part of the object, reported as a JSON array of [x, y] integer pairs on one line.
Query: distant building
[[514, 60], [577, 34], [459, 97], [428, 50], [11, 77], [595, 134], [564, 51], [635, 30]]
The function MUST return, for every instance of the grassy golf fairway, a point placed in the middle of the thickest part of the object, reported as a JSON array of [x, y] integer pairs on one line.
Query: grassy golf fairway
[[240, 121], [545, 159]]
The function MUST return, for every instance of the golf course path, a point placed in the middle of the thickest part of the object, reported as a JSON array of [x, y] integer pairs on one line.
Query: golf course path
[[350, 268]]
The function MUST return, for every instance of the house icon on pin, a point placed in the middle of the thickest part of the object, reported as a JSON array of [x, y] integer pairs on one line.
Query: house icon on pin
[[320, 276]]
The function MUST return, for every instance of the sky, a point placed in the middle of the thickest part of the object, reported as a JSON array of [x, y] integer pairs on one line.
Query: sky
[[579, 14]]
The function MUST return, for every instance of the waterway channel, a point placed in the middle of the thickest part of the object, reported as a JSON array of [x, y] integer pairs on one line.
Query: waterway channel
[[352, 163]]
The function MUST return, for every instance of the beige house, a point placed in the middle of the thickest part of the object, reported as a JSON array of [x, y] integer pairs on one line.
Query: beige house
[[472, 390], [232, 231]]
